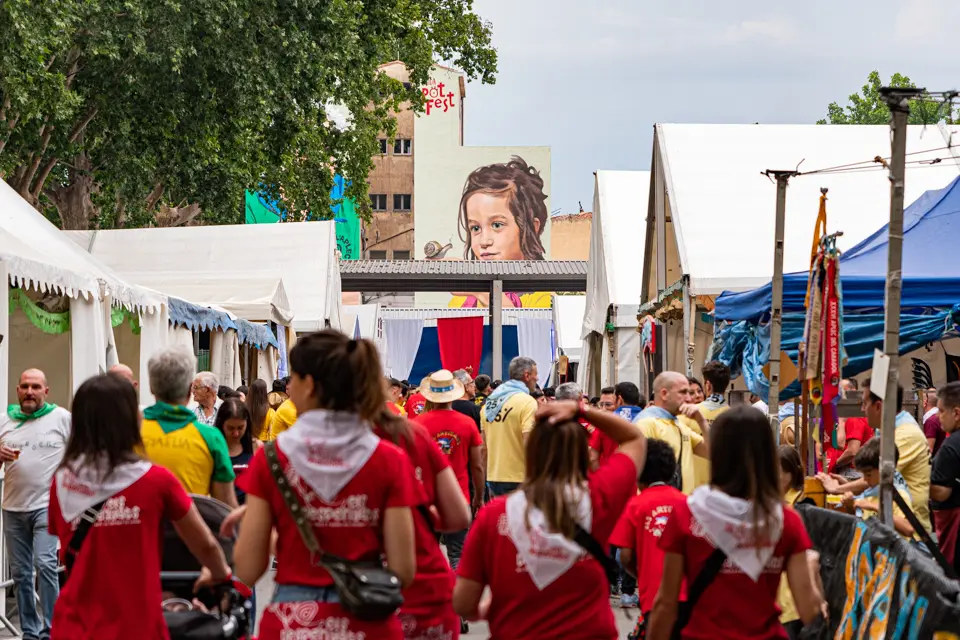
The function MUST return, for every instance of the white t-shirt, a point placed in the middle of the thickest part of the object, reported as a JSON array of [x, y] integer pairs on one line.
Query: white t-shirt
[[26, 482]]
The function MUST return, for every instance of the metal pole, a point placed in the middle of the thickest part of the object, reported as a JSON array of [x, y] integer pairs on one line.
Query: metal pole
[[688, 309], [776, 289], [898, 101], [496, 327]]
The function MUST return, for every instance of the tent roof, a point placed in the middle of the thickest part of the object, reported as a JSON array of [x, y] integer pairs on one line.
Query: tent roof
[[617, 241], [255, 297], [722, 208], [931, 228], [302, 254], [367, 315], [38, 256]]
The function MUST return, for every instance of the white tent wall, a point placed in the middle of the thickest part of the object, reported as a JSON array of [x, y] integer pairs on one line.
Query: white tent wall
[[302, 254], [180, 335], [267, 365], [225, 357], [128, 350], [5, 340], [88, 339], [677, 350], [31, 348], [154, 336]]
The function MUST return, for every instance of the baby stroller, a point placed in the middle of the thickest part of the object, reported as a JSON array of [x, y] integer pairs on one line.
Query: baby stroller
[[228, 611]]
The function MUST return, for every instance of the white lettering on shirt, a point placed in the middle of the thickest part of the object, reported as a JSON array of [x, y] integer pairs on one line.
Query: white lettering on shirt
[[302, 621], [114, 513], [349, 512]]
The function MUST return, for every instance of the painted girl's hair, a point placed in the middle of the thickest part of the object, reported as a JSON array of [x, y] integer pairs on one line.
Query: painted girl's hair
[[523, 186]]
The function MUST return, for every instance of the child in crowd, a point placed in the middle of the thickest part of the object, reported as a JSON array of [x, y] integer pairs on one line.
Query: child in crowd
[[641, 524], [867, 504]]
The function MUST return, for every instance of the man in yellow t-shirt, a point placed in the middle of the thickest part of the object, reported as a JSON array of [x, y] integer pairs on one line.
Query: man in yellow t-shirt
[[716, 379], [283, 419], [660, 421], [507, 418]]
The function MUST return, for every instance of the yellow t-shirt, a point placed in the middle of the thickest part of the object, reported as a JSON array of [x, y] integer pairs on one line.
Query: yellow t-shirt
[[701, 466], [788, 608], [679, 436], [897, 511], [195, 453], [283, 418], [264, 433], [506, 460], [914, 464]]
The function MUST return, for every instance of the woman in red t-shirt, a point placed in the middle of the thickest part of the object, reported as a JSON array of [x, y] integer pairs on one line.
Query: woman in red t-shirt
[[112, 591], [543, 584], [427, 611], [357, 489], [742, 514]]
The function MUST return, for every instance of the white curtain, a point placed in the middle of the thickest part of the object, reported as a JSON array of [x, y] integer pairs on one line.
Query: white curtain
[[180, 336], [154, 336], [403, 342], [267, 365], [88, 340], [225, 357], [535, 339], [282, 365], [4, 352]]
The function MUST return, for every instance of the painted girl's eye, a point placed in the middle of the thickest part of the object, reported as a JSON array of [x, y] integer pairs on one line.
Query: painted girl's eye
[[474, 228], [498, 225]]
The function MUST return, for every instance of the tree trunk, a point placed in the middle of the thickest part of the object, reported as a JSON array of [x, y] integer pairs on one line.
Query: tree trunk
[[169, 216], [73, 200]]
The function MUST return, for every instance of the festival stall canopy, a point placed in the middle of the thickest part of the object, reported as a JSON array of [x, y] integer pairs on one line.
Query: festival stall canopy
[[302, 254], [930, 276], [570, 313], [721, 209]]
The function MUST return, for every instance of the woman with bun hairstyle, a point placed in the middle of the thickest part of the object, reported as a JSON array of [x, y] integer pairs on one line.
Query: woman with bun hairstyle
[[427, 611], [503, 215], [543, 584], [359, 492]]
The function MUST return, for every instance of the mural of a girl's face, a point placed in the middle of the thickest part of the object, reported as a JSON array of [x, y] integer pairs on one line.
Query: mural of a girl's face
[[494, 234]]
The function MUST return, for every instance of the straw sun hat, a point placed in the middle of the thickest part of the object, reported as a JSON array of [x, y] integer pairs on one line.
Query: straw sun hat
[[442, 387]]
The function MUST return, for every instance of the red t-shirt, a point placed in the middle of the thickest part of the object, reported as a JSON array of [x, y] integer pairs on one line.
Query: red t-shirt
[[351, 526], [433, 584], [577, 604], [415, 405], [456, 434], [114, 589], [604, 445], [640, 528], [855, 429], [733, 606]]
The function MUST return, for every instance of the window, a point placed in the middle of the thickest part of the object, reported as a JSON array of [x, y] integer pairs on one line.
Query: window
[[383, 146], [401, 202], [401, 255], [379, 201], [378, 255], [402, 147]]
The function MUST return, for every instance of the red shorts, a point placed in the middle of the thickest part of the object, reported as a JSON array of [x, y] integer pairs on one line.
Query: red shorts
[[440, 624], [320, 621]]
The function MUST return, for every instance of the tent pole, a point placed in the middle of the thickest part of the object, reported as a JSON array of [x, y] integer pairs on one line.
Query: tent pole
[[688, 315], [496, 327], [801, 434], [776, 310], [898, 100]]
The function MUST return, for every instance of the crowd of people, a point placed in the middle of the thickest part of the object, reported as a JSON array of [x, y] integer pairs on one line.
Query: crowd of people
[[472, 499]]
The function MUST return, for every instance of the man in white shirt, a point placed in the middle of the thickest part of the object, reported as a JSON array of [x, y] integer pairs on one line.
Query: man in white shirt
[[33, 436], [205, 387]]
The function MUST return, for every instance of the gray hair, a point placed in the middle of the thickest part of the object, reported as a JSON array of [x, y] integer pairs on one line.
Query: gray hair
[[463, 376], [569, 391], [171, 372], [519, 366], [209, 380]]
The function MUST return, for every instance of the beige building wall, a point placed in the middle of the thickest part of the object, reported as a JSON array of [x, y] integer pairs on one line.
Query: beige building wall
[[570, 236]]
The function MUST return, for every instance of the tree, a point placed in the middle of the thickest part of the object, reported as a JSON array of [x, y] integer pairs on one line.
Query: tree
[[867, 107], [135, 112]]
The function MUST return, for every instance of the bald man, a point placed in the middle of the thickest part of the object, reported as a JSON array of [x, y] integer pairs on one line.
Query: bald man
[[125, 372], [33, 435], [670, 418]]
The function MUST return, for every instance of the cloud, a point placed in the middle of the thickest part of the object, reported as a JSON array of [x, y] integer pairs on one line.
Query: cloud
[[775, 30]]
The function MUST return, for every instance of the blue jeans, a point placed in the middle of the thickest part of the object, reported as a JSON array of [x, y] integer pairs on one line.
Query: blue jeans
[[454, 543], [501, 488], [298, 593], [29, 543]]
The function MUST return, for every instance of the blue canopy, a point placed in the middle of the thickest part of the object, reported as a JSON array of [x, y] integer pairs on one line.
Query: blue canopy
[[931, 278]]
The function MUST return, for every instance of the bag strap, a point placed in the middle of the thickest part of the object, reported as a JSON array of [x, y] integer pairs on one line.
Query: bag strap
[[87, 518], [583, 538], [292, 500], [703, 580], [932, 546]]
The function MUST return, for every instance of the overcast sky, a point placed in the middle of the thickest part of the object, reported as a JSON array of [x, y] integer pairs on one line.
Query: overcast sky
[[591, 79]]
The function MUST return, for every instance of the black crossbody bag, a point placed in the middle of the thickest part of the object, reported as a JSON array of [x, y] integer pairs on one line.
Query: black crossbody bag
[[367, 590], [87, 519], [589, 544]]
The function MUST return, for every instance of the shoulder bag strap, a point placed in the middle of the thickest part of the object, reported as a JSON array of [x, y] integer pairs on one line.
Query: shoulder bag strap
[[932, 546], [87, 518], [292, 500], [703, 580], [583, 538]]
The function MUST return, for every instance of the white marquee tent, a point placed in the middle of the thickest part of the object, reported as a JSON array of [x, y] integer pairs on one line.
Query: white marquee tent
[[711, 218], [36, 257], [617, 238], [301, 254]]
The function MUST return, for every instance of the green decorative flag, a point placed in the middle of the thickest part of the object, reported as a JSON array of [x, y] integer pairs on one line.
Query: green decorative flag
[[259, 210]]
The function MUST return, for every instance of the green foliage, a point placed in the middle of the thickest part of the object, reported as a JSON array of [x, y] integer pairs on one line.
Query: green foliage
[[136, 112], [867, 107]]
